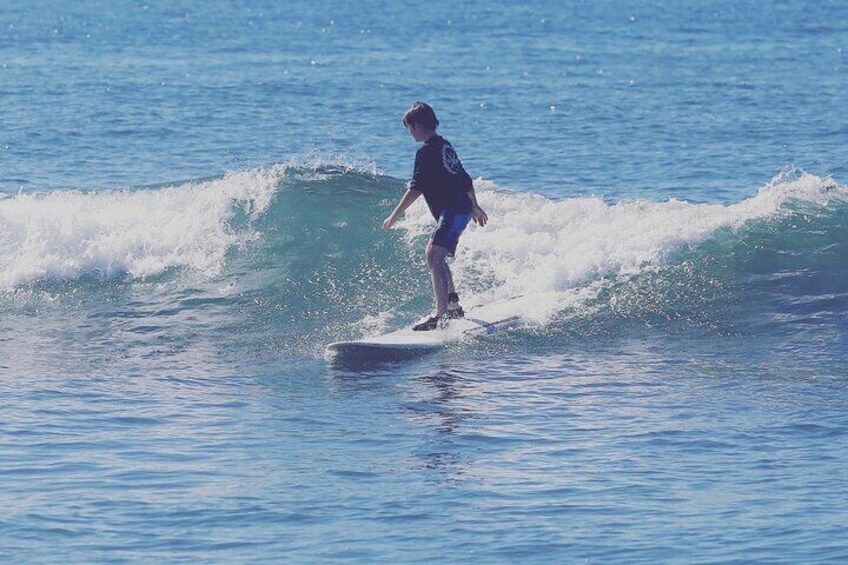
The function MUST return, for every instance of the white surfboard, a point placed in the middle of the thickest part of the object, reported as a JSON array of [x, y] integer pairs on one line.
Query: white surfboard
[[478, 321]]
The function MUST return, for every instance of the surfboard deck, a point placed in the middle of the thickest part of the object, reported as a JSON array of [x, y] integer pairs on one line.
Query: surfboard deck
[[406, 343]]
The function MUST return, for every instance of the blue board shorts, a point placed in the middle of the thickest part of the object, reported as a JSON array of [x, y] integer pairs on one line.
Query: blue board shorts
[[450, 227]]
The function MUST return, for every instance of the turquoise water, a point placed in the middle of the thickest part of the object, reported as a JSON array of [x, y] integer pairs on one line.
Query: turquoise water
[[190, 206]]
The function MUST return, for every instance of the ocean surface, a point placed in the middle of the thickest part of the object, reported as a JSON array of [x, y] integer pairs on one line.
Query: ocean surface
[[191, 196]]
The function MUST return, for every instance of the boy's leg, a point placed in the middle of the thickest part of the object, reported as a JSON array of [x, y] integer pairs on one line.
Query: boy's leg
[[440, 276], [441, 246], [451, 289], [454, 309]]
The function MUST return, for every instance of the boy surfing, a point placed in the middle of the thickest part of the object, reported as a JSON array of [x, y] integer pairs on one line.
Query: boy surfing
[[449, 193]]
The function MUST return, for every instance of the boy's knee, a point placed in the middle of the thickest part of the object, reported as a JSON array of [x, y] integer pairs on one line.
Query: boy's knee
[[435, 256], [430, 257]]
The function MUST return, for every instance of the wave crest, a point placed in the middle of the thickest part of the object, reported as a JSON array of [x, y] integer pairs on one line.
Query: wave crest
[[66, 235]]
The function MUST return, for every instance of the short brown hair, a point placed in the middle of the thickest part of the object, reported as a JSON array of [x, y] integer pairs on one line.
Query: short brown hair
[[421, 114]]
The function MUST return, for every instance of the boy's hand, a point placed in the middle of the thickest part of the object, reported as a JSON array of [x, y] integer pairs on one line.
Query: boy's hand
[[479, 216], [388, 223]]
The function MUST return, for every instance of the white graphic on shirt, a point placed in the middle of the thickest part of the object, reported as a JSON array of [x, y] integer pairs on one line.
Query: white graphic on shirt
[[450, 159]]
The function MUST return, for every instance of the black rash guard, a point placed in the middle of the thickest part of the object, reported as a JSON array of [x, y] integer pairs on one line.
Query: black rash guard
[[440, 177]]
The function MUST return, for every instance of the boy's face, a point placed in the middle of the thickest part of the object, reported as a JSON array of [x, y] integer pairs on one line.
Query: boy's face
[[417, 132]]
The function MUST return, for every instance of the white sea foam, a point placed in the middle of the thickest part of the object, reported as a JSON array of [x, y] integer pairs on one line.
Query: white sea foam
[[64, 235], [557, 253]]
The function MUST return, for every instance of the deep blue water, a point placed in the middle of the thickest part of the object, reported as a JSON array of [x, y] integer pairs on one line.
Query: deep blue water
[[190, 202]]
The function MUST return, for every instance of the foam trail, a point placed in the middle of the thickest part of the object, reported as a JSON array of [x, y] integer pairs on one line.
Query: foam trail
[[66, 235], [556, 254]]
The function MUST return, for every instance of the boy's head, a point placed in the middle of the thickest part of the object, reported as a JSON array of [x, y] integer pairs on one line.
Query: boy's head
[[421, 116]]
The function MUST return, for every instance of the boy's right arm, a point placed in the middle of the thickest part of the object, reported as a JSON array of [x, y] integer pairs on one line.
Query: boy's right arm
[[477, 213], [410, 196]]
